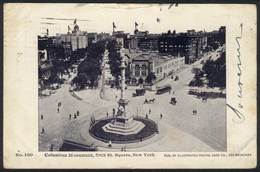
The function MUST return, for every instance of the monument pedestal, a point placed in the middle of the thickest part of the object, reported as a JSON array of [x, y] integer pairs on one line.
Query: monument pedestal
[[124, 126]]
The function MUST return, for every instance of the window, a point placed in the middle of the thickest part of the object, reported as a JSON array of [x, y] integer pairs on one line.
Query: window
[[137, 70], [143, 70]]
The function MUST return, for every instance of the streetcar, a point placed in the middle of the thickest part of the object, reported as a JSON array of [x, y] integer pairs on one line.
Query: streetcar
[[164, 89]]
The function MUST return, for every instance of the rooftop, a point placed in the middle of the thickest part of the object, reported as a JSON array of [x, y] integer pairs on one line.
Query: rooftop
[[158, 59]]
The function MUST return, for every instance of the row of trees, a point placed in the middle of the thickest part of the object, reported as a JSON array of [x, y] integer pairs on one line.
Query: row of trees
[[115, 61], [59, 60], [90, 69], [212, 74]]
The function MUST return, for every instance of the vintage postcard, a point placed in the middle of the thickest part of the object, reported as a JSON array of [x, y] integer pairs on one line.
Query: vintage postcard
[[129, 85]]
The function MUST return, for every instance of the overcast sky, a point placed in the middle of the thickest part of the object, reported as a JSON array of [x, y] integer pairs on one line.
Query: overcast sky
[[101, 16]]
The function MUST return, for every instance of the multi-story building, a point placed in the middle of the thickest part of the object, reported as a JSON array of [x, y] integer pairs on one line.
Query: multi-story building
[[189, 44], [216, 37], [149, 42], [122, 38], [133, 41], [167, 65], [77, 39]]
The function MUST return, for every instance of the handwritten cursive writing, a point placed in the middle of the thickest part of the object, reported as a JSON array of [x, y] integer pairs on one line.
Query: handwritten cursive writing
[[237, 110], [239, 73]]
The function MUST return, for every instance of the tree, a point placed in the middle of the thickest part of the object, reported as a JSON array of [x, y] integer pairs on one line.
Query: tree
[[150, 78], [114, 60], [141, 81], [216, 71], [90, 69]]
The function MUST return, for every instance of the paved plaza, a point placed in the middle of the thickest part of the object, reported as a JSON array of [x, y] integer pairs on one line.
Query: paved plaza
[[179, 129]]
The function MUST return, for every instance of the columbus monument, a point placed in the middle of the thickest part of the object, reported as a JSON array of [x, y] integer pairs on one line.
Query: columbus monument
[[124, 126]]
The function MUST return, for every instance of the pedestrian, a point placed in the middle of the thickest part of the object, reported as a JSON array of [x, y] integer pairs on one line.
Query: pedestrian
[[149, 111], [75, 116], [41, 116], [52, 147], [77, 113], [70, 116], [146, 116], [58, 110], [114, 111], [161, 116], [43, 131], [194, 112], [107, 114]]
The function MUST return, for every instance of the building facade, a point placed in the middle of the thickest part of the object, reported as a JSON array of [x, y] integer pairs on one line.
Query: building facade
[[149, 42], [161, 66], [77, 39], [190, 44]]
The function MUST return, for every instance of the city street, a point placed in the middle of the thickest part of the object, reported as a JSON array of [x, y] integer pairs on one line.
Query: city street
[[179, 129]]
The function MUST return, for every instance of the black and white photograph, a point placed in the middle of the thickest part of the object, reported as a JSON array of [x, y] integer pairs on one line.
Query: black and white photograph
[[129, 86], [112, 80]]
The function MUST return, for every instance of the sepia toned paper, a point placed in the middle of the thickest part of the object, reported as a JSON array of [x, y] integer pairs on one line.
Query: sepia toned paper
[[23, 23]]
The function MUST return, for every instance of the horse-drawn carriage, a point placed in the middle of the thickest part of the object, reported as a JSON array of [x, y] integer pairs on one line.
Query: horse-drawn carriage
[[146, 101], [139, 92], [175, 78]]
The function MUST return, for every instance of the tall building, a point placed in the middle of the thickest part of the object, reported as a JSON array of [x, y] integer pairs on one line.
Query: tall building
[[77, 38], [189, 44], [149, 42], [133, 41], [122, 38]]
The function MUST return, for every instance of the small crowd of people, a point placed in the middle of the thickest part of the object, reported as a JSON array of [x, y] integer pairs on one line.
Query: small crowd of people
[[76, 114]]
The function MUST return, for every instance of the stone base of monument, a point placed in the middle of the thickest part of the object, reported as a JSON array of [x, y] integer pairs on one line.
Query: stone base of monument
[[124, 126], [123, 130]]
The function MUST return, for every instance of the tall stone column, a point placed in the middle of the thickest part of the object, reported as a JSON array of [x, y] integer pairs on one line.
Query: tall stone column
[[123, 66], [122, 102]]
